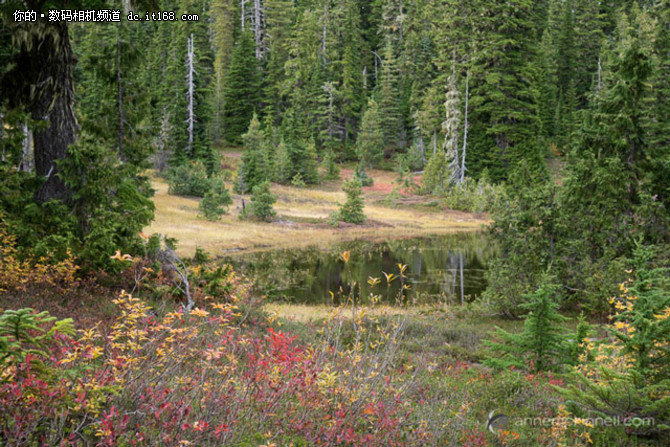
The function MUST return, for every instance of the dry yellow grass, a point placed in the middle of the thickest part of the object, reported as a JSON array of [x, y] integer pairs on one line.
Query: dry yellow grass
[[302, 220], [305, 313]]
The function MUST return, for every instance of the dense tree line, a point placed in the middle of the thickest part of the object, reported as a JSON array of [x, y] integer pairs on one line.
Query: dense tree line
[[478, 89]]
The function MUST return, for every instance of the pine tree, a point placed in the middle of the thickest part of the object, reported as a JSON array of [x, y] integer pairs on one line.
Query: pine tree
[[352, 210], [254, 169], [451, 129], [223, 26], [659, 132], [548, 90], [310, 164], [632, 373], [262, 200], [353, 49], [541, 345], [370, 143], [504, 98], [283, 166], [216, 201], [613, 160], [389, 100], [332, 171], [280, 15], [329, 132], [241, 90]]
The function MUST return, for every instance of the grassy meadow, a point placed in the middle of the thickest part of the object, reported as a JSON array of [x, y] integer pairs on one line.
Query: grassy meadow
[[303, 216]]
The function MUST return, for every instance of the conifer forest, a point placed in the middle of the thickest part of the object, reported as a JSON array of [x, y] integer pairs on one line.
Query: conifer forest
[[305, 223]]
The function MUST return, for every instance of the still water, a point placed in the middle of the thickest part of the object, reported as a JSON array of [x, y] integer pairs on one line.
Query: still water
[[447, 268]]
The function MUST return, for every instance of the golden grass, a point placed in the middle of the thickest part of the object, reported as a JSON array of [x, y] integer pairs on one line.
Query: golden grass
[[306, 313], [302, 220]]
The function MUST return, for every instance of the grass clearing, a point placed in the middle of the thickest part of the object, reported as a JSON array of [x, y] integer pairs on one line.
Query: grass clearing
[[303, 216]]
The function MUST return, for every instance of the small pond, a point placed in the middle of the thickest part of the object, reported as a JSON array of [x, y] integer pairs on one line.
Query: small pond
[[446, 268]]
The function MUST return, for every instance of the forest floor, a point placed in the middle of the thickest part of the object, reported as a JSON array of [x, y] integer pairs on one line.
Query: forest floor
[[303, 216]]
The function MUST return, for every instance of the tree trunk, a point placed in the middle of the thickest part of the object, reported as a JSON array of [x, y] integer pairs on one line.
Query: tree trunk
[[258, 29], [190, 54], [119, 91], [242, 13], [43, 83], [460, 263], [465, 127], [27, 157]]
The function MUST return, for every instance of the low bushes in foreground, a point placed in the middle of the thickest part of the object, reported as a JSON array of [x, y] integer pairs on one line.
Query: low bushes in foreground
[[209, 377]]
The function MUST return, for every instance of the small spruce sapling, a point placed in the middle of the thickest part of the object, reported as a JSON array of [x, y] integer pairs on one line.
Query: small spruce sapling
[[542, 345], [261, 202], [362, 176], [332, 171], [352, 210], [216, 201]]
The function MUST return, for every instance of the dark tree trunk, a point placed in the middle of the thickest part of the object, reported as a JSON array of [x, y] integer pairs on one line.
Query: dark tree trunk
[[43, 84]]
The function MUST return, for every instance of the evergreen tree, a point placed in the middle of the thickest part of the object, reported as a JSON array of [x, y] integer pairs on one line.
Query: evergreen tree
[[332, 171], [255, 168], [352, 210], [389, 101], [542, 344], [261, 202], [353, 51], [504, 108], [443, 168], [216, 201], [631, 375], [283, 166], [451, 129], [659, 132], [280, 15], [548, 89], [224, 22], [614, 160], [310, 164], [370, 144], [241, 89]]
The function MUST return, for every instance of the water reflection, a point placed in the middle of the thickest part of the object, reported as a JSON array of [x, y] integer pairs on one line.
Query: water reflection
[[447, 268]]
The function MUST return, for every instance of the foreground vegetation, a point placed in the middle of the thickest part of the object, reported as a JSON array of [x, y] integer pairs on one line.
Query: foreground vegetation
[[204, 363]]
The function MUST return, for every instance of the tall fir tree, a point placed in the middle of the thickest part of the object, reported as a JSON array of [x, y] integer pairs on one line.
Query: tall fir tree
[[389, 100], [370, 144], [504, 97], [255, 168], [241, 93], [224, 24]]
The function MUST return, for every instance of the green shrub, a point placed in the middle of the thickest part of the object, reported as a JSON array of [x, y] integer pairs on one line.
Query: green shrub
[[412, 160], [474, 196], [261, 202], [627, 373], [542, 344], [297, 181], [435, 177], [363, 178], [332, 171], [216, 201], [188, 179], [352, 210], [25, 332]]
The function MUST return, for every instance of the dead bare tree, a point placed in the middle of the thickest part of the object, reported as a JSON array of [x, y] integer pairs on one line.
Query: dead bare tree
[[189, 79], [172, 262]]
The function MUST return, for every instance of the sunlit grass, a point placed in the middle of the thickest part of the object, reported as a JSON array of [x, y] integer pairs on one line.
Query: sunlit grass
[[303, 219]]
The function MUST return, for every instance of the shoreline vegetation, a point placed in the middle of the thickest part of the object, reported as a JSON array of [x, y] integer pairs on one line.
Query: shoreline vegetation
[[303, 217]]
